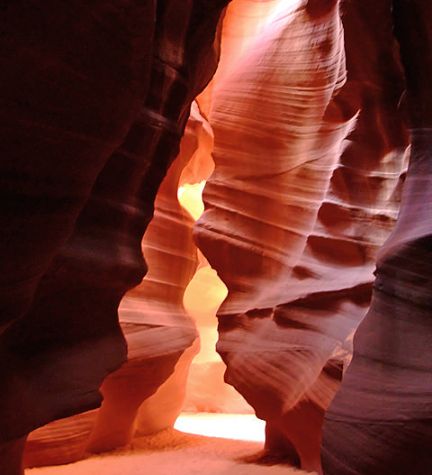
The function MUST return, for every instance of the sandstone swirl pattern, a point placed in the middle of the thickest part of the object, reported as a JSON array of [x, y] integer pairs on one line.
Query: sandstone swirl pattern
[[143, 396], [309, 111], [309, 152], [385, 402], [95, 99]]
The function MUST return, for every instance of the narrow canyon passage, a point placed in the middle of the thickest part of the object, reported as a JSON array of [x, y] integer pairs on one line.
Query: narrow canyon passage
[[217, 431], [216, 237], [212, 407]]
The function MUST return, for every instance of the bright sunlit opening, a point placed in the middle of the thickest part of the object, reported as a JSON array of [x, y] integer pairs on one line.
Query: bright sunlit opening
[[226, 426], [190, 197], [202, 298]]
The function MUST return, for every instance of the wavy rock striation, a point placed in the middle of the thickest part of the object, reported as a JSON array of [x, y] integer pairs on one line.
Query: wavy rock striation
[[309, 114], [309, 154], [95, 101], [390, 377], [138, 397]]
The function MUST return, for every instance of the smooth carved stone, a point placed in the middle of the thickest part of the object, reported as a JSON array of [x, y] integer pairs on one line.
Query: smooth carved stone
[[161, 410], [94, 102], [390, 375], [67, 104], [242, 25], [306, 189], [143, 395], [381, 419], [157, 328], [60, 442]]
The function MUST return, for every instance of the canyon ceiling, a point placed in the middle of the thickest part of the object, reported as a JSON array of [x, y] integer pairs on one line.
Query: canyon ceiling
[[311, 123]]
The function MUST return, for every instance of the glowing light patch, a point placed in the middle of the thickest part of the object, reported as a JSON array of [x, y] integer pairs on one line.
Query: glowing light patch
[[202, 298], [225, 426], [190, 197], [204, 295]]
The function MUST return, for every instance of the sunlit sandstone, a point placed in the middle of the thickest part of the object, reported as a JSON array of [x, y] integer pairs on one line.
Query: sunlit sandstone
[[311, 118]]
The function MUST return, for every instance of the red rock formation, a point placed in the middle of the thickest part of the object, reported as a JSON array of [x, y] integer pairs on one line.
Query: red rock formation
[[94, 102], [310, 149], [380, 421], [156, 325], [305, 191], [157, 331]]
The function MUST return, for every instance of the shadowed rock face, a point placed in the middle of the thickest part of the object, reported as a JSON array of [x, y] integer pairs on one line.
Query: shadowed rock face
[[95, 99], [388, 430], [157, 331], [309, 152]]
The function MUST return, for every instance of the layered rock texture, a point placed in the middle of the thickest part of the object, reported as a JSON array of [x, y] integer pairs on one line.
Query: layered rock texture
[[313, 114], [138, 398], [390, 378], [310, 154], [95, 99]]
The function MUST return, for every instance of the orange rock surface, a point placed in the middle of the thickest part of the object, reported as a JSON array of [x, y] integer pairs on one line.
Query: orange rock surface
[[312, 226], [310, 153], [94, 104]]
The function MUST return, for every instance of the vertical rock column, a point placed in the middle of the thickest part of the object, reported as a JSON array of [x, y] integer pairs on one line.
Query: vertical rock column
[[156, 325], [305, 191], [153, 62], [381, 419], [156, 330], [73, 80], [274, 154]]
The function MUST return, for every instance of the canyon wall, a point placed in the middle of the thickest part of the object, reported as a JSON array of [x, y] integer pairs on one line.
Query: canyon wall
[[310, 155], [156, 328], [315, 109], [95, 99], [380, 420]]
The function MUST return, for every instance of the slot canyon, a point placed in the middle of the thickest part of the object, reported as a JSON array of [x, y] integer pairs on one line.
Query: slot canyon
[[216, 237]]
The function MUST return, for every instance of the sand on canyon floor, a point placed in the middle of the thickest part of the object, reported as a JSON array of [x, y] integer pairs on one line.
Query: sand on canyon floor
[[172, 452]]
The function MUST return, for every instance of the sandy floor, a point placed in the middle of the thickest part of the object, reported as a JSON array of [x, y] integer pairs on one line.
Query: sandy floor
[[172, 452]]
